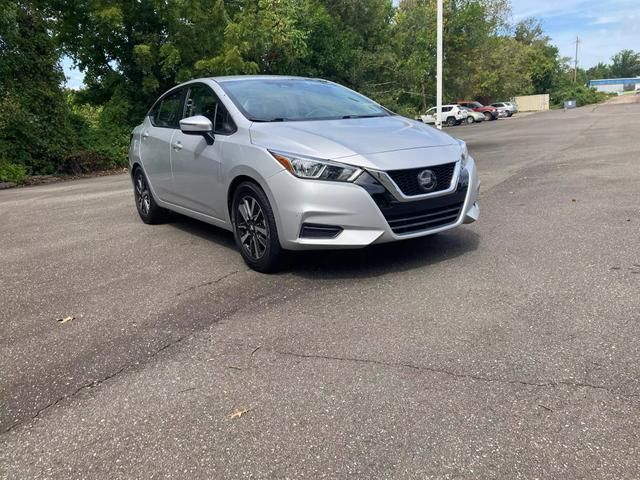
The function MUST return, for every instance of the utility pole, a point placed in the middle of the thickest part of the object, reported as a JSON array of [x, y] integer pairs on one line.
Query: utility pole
[[439, 69], [575, 66]]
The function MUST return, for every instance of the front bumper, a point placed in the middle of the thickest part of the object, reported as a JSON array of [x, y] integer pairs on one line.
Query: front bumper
[[352, 208]]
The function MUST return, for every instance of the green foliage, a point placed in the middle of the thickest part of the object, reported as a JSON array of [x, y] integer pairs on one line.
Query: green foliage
[[34, 120], [625, 64], [581, 94], [12, 172], [132, 51], [599, 71], [102, 135]]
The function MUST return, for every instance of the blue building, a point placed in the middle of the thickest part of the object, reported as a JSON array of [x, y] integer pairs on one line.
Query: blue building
[[616, 85]]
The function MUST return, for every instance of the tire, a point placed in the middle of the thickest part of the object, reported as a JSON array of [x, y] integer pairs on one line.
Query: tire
[[255, 230], [488, 116], [470, 120], [509, 114], [451, 122], [149, 211]]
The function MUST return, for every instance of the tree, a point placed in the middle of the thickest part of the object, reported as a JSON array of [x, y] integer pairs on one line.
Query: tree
[[34, 119], [136, 50], [545, 67], [601, 70], [625, 64], [264, 36]]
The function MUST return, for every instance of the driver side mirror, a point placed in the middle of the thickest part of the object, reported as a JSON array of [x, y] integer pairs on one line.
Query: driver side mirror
[[198, 125]]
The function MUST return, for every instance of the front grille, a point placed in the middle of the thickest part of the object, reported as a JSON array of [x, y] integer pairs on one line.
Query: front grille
[[417, 215], [407, 180], [425, 219]]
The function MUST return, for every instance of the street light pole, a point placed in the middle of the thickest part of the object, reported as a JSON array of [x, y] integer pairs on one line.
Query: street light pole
[[439, 69]]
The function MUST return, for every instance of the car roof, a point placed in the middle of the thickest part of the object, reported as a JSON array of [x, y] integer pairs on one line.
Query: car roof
[[232, 78]]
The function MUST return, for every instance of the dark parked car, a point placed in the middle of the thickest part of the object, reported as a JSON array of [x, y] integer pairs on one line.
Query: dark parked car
[[491, 113]]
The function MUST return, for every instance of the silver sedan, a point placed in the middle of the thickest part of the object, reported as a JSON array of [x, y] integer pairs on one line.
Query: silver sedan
[[290, 163]]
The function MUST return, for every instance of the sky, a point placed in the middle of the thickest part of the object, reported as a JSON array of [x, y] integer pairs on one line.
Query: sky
[[604, 27]]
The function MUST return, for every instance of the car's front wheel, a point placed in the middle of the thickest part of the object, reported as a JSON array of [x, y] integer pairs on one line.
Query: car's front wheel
[[470, 120], [148, 210], [255, 229], [451, 121], [488, 116]]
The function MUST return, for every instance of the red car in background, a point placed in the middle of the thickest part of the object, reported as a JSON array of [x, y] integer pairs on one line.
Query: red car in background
[[491, 113]]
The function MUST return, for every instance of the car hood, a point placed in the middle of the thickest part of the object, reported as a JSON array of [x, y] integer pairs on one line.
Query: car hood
[[362, 139]]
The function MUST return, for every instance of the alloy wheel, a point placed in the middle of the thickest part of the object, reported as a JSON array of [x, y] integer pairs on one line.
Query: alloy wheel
[[143, 196], [252, 226]]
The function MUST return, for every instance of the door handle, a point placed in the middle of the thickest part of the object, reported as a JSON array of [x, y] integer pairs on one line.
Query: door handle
[[145, 135], [177, 145]]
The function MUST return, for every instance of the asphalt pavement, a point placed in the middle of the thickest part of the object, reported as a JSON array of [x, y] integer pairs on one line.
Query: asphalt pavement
[[504, 349]]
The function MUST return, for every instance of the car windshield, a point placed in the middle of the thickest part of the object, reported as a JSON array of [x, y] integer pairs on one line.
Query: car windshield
[[477, 105], [291, 99]]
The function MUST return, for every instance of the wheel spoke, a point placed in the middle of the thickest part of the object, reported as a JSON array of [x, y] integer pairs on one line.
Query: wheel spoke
[[244, 210], [255, 246], [249, 204]]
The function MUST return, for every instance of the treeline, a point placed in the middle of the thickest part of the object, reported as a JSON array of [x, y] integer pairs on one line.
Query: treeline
[[132, 51]]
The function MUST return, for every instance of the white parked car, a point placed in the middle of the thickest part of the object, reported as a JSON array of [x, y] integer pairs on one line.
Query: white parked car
[[507, 107], [473, 116], [451, 115]]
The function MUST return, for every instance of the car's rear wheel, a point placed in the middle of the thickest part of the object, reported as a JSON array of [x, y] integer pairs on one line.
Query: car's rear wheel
[[147, 207], [451, 121], [470, 120], [488, 116], [255, 229]]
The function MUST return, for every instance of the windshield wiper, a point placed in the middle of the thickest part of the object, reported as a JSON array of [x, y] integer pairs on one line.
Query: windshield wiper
[[267, 120], [365, 116]]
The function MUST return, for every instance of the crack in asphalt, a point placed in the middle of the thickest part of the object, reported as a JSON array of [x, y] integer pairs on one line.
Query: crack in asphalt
[[255, 349], [92, 384], [455, 374], [209, 283]]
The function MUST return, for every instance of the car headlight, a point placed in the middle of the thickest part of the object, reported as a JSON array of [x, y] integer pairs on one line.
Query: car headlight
[[316, 169], [464, 156]]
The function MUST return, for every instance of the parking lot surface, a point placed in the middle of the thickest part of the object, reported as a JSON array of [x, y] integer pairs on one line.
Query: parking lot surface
[[504, 349]]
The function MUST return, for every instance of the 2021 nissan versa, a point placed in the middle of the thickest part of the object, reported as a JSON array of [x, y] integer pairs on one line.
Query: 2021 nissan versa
[[290, 163]]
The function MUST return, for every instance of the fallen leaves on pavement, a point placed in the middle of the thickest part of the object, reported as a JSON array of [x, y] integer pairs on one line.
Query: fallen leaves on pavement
[[238, 412], [66, 319]]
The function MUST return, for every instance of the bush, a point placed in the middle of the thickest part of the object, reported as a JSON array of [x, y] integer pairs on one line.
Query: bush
[[581, 94], [12, 172], [84, 162], [102, 134]]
